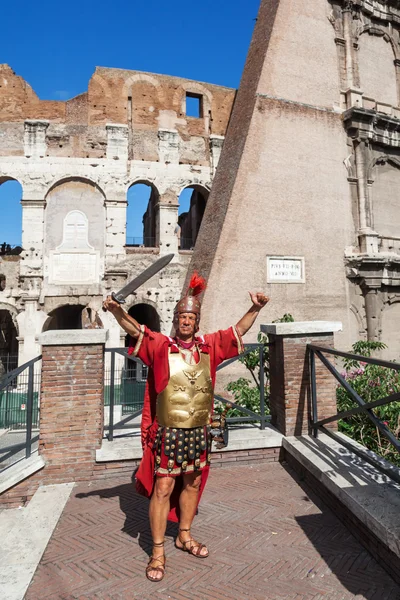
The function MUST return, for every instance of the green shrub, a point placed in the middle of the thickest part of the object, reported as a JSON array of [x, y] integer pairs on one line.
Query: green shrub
[[371, 382]]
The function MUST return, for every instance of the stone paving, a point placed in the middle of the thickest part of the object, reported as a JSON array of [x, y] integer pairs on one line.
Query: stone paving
[[269, 538]]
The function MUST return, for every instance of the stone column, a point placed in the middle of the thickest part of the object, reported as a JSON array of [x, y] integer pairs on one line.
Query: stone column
[[115, 227], [166, 224], [35, 138], [32, 237], [71, 405], [290, 381], [117, 141]]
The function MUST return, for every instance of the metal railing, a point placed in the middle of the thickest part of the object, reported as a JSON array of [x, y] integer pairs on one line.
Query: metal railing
[[146, 242], [362, 407], [252, 416], [19, 407], [8, 362], [125, 386]]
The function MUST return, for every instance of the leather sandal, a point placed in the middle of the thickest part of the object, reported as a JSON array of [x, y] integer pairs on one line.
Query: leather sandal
[[158, 568], [194, 549]]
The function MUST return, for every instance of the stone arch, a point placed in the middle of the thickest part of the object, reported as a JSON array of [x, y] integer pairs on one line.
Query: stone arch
[[141, 230], [73, 178], [146, 314], [358, 328], [143, 77], [65, 316], [193, 87], [389, 319], [189, 221], [379, 84], [383, 194], [67, 195], [9, 333]]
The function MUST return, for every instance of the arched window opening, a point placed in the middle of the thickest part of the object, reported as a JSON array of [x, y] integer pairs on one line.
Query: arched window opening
[[11, 227], [145, 315], [3, 282], [141, 215], [192, 204], [8, 342], [65, 317]]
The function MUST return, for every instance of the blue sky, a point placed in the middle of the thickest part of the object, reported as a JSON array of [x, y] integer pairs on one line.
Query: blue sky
[[56, 48]]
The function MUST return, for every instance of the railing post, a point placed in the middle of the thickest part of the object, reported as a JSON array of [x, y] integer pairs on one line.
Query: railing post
[[112, 380], [262, 389], [314, 406], [29, 410]]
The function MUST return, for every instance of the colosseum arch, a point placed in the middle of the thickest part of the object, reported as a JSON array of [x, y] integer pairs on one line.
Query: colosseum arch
[[389, 325], [66, 316], [65, 196], [379, 84], [384, 175], [192, 204], [142, 214], [9, 333]]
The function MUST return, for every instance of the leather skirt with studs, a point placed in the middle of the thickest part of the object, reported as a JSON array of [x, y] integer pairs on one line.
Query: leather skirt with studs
[[181, 451]]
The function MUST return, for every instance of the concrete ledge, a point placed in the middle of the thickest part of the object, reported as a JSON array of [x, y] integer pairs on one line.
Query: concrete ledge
[[372, 497], [20, 471], [25, 534], [301, 327], [73, 337], [240, 438]]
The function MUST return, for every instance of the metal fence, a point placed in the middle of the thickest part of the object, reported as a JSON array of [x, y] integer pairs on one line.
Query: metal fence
[[146, 241], [19, 410], [361, 407], [124, 385], [8, 362]]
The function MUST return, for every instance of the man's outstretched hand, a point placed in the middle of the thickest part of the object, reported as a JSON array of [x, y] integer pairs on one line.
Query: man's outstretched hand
[[111, 305], [259, 299]]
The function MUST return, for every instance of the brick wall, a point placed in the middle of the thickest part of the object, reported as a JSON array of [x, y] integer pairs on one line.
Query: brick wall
[[71, 417], [291, 386], [71, 408]]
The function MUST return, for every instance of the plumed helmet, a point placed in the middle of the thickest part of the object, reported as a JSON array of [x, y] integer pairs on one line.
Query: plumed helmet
[[190, 302]]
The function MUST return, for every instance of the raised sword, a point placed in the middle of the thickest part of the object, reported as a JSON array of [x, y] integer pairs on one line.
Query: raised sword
[[130, 287]]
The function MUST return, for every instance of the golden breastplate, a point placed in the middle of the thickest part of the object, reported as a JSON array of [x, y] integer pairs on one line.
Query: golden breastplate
[[187, 400]]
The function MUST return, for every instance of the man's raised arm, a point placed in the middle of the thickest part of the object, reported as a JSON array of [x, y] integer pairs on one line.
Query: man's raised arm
[[128, 323], [259, 300]]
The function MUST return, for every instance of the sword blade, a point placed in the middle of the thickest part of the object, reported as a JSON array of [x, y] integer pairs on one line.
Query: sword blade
[[130, 287]]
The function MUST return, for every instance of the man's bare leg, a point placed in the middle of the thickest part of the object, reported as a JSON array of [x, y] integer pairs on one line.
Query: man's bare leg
[[158, 513], [188, 505]]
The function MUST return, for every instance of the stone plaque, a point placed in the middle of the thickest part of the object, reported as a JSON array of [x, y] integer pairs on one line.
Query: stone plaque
[[285, 269], [74, 267], [75, 261]]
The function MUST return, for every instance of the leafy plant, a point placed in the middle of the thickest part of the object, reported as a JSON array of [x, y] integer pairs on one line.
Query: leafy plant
[[371, 382], [247, 392]]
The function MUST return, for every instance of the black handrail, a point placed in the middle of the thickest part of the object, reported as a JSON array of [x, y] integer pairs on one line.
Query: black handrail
[[362, 407], [7, 380]]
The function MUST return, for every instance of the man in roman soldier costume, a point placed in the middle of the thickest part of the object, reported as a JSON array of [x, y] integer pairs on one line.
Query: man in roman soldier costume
[[177, 412]]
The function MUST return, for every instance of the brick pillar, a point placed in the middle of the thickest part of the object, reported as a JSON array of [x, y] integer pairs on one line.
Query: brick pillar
[[290, 382], [71, 403]]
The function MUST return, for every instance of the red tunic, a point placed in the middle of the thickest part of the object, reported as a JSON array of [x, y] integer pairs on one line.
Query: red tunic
[[152, 348]]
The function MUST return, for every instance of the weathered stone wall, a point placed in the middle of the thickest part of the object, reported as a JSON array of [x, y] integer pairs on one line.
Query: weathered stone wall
[[76, 161]]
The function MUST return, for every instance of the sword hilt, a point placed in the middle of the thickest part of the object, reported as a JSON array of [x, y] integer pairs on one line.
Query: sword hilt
[[116, 299]]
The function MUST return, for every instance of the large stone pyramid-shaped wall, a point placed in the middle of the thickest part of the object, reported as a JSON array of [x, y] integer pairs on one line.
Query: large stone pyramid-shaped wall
[[281, 185]]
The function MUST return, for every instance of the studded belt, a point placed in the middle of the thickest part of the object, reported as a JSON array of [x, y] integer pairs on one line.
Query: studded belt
[[182, 445]]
